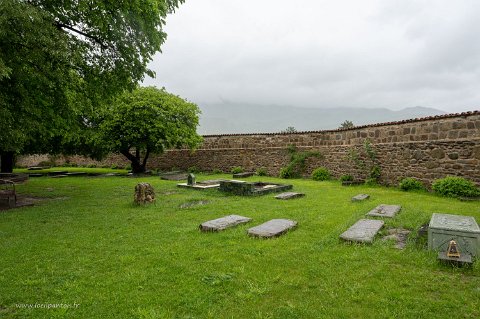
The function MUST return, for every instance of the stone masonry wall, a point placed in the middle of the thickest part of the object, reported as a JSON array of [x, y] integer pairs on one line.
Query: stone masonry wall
[[426, 148]]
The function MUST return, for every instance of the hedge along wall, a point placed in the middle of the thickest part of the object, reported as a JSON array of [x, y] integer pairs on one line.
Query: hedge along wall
[[426, 148]]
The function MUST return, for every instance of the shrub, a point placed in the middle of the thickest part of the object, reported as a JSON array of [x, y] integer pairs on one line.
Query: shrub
[[346, 178], [262, 171], [114, 166], [237, 170], [321, 174], [91, 165], [73, 165], [375, 172], [287, 172], [452, 186], [371, 182], [411, 184], [46, 163], [128, 167], [193, 170]]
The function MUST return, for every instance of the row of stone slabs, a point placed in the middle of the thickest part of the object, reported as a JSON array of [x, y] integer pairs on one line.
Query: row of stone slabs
[[272, 228], [364, 230]]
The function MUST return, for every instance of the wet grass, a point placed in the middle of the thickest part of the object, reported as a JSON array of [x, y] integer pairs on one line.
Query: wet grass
[[90, 248]]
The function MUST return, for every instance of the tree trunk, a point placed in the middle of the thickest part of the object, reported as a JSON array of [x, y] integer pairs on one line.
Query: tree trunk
[[6, 160], [137, 166]]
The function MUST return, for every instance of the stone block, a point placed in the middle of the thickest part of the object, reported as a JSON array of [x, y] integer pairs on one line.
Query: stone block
[[144, 194], [224, 223], [272, 228], [360, 197], [384, 211], [463, 229], [289, 195], [363, 231]]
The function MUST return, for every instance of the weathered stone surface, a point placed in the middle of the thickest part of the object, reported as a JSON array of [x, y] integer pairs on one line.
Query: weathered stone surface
[[194, 203], [213, 183], [191, 179], [223, 223], [244, 188], [174, 176], [289, 195], [400, 235], [463, 229], [144, 194], [245, 174], [453, 155], [363, 231], [385, 211], [360, 197], [272, 228], [437, 153]]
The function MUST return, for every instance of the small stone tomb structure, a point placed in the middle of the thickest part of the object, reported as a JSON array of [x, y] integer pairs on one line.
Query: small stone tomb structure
[[272, 228], [252, 189], [174, 176], [463, 230], [144, 194], [363, 231], [212, 183], [289, 195], [360, 197], [223, 223], [385, 211]]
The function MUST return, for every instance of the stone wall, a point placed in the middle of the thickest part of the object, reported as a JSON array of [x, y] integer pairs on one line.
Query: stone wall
[[426, 148]]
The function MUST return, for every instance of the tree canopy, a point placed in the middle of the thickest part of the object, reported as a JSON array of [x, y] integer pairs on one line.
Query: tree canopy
[[346, 124], [61, 59], [148, 120]]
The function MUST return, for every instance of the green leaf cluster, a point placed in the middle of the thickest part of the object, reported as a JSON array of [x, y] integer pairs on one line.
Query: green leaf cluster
[[454, 186]]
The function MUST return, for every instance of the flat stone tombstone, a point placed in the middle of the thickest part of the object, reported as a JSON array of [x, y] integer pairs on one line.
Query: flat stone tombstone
[[463, 229], [360, 197], [223, 223], [272, 228], [363, 231], [385, 211], [289, 195]]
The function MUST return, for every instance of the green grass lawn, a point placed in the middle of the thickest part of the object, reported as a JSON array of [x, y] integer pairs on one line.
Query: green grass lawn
[[93, 170], [89, 247]]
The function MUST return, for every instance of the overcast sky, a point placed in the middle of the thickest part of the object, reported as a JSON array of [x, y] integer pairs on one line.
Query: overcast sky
[[316, 53]]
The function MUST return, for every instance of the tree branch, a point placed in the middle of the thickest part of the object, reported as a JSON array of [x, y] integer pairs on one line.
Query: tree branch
[[92, 37]]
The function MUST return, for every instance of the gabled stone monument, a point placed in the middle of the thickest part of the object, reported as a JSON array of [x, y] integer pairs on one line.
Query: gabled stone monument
[[144, 194]]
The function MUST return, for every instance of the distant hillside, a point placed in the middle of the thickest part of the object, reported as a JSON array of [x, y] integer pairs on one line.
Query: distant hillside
[[247, 118]]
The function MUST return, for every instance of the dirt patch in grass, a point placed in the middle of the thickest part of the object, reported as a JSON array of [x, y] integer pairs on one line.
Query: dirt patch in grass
[[28, 200]]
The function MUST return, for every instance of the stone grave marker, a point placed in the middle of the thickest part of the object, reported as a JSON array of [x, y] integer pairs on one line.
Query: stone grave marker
[[463, 230], [363, 231], [144, 194], [191, 179], [224, 223], [385, 211], [289, 195], [360, 197], [272, 228]]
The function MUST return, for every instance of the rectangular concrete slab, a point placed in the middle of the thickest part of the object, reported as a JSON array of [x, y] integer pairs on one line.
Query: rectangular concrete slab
[[464, 230], [360, 197], [223, 223], [385, 211], [272, 228], [363, 231], [289, 195]]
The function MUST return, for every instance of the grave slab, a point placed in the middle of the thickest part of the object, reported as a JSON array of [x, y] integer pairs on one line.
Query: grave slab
[[223, 223], [363, 231], [385, 211], [272, 228], [289, 195], [360, 197], [243, 175], [463, 230]]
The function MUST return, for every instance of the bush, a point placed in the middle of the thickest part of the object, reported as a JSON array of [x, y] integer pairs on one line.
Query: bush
[[346, 178], [114, 166], [371, 182], [128, 167], [411, 184], [193, 170], [237, 170], [321, 174], [287, 172], [91, 165], [217, 171], [452, 186], [375, 172], [262, 171], [46, 163]]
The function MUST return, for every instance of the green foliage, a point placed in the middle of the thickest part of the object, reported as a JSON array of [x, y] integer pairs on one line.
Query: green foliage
[[91, 165], [321, 174], [262, 171], [297, 164], [128, 167], [148, 120], [114, 166], [366, 160], [62, 60], [453, 186], [193, 170], [217, 171], [346, 124], [236, 170], [375, 172], [411, 184], [371, 181], [289, 129], [346, 178]]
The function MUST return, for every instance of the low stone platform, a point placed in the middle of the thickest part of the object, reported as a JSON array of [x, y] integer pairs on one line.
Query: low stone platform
[[289, 195], [360, 197], [212, 183], [464, 259], [223, 223], [244, 188], [383, 210], [272, 228], [174, 176], [363, 231], [245, 174]]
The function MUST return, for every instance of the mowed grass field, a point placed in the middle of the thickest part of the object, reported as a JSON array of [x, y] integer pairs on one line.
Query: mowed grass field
[[87, 246]]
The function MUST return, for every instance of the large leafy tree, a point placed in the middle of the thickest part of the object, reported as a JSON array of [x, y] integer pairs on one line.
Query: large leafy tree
[[148, 120], [59, 60]]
